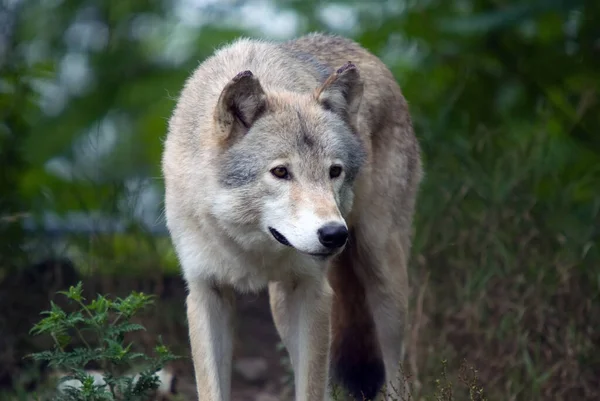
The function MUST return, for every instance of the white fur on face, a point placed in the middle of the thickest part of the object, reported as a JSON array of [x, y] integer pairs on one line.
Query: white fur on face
[[300, 227], [302, 232]]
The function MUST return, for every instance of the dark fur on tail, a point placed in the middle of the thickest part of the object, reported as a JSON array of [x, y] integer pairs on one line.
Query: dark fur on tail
[[356, 361]]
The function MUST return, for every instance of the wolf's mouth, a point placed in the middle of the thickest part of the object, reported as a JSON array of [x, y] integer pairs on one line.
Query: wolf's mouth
[[321, 256], [279, 237]]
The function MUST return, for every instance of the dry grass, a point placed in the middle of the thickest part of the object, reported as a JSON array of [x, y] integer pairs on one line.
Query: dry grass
[[505, 269]]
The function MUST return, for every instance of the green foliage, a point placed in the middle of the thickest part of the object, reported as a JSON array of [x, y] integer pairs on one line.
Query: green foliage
[[101, 325], [16, 109]]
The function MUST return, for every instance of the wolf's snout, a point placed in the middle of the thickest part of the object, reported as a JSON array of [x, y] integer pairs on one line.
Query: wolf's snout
[[333, 235]]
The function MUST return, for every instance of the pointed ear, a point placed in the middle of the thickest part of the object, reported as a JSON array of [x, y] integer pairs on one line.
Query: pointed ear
[[342, 91], [240, 104]]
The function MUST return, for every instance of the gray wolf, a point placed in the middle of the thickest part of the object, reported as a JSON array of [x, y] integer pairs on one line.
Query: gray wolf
[[293, 166]]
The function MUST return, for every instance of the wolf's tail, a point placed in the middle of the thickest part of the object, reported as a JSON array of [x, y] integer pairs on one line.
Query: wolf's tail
[[356, 360]]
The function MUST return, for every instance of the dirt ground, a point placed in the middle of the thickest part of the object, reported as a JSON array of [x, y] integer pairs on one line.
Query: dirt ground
[[256, 340]]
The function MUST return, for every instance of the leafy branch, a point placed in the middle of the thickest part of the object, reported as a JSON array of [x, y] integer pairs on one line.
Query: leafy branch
[[107, 321]]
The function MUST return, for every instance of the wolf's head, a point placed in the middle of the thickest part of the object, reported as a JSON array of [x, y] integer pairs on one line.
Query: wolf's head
[[288, 162]]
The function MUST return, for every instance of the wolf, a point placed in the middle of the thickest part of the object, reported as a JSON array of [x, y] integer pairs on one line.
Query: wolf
[[292, 166]]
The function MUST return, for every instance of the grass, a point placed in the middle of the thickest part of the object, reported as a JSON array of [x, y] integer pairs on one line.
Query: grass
[[505, 265], [467, 385]]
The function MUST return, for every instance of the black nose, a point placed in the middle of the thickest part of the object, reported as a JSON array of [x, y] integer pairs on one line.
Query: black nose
[[333, 235]]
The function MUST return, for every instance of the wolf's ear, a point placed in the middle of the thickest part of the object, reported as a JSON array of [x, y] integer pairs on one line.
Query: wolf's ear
[[342, 91], [240, 104]]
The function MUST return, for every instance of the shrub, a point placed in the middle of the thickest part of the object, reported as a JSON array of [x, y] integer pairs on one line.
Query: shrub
[[100, 326]]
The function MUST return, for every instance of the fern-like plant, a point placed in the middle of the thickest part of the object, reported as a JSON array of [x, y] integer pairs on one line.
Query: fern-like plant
[[101, 326]]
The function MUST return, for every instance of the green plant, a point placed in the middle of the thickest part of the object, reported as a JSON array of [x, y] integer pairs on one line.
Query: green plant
[[100, 326]]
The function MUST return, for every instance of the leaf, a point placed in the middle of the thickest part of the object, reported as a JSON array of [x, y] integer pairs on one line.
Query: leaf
[[74, 293], [123, 328]]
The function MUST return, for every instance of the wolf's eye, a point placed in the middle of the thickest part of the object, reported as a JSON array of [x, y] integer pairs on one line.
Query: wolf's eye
[[280, 172], [335, 171]]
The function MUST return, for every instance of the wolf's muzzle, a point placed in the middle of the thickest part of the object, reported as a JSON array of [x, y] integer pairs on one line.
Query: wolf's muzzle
[[279, 237]]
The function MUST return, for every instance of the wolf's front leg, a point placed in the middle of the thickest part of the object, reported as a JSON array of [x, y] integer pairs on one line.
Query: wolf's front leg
[[301, 311], [210, 312]]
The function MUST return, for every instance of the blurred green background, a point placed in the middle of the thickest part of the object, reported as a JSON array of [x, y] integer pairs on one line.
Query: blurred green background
[[504, 96]]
